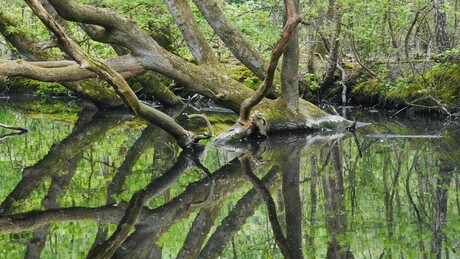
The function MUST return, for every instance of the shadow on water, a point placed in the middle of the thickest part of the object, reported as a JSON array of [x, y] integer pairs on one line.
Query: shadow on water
[[113, 187]]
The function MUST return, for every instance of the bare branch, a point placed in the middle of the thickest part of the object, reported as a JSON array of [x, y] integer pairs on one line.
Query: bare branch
[[286, 34], [66, 70], [232, 37], [183, 137], [196, 42]]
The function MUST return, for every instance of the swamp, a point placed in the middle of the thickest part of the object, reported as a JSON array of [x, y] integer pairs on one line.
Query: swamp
[[229, 129], [69, 182]]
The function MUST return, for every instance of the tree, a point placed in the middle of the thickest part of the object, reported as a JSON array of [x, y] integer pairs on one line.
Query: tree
[[143, 54]]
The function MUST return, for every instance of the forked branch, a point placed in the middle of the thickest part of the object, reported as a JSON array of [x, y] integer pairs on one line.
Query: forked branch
[[184, 138], [286, 35]]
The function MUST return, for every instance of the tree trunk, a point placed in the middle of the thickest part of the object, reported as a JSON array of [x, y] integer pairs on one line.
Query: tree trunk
[[442, 37], [335, 15], [28, 49], [106, 26]]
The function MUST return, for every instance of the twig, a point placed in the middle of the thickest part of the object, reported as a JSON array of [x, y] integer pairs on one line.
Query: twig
[[210, 132]]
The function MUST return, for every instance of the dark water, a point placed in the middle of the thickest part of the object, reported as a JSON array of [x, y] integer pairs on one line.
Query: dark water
[[83, 183]]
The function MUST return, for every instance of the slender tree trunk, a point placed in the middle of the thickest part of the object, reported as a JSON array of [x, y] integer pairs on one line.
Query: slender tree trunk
[[442, 36], [293, 204], [290, 69], [331, 66]]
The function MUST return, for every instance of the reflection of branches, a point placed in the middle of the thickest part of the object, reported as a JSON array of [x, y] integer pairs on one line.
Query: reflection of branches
[[245, 207], [21, 130], [155, 188], [145, 141], [440, 208], [198, 232], [269, 203], [151, 227], [27, 221], [409, 196], [58, 157], [58, 186], [3, 137]]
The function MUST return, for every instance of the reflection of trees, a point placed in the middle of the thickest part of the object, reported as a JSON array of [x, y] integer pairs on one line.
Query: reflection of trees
[[205, 196], [440, 208], [62, 157], [331, 183], [334, 194]]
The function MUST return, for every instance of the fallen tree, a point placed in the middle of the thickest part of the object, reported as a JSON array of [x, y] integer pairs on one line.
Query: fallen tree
[[206, 77]]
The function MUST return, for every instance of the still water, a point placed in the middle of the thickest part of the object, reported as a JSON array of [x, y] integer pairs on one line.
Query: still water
[[84, 183]]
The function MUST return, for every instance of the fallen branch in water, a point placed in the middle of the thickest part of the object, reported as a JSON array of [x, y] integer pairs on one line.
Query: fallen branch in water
[[3, 137], [22, 130], [401, 136]]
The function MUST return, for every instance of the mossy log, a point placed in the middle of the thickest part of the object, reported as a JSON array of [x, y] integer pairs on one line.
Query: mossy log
[[271, 117]]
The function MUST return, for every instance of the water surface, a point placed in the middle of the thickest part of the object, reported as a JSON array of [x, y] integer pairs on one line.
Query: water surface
[[84, 183]]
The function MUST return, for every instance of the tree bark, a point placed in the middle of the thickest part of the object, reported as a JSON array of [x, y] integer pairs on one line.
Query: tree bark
[[288, 32], [106, 26], [232, 37], [442, 37], [184, 138], [290, 67], [196, 42], [336, 17]]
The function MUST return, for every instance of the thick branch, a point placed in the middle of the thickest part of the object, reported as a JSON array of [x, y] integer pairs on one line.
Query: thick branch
[[23, 44], [196, 42], [66, 71], [233, 39], [286, 34], [129, 98]]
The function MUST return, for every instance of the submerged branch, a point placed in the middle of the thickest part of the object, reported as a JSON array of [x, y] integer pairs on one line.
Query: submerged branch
[[269, 203], [401, 136], [22, 130]]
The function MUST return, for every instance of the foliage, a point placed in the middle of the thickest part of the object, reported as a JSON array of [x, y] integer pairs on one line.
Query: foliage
[[312, 81]]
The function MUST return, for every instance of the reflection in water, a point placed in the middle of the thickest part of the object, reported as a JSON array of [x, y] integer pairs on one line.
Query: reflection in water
[[115, 188]]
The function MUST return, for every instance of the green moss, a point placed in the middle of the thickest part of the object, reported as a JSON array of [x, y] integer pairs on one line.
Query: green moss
[[445, 79], [349, 65], [371, 87], [439, 85], [50, 109], [24, 85], [244, 75]]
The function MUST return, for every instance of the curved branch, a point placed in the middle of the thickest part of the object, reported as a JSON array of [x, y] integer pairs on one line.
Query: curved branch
[[66, 71], [196, 42], [184, 138], [210, 132], [233, 39], [286, 35]]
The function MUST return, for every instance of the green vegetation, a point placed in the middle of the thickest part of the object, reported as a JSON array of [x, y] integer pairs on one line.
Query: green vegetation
[[385, 206], [391, 39]]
